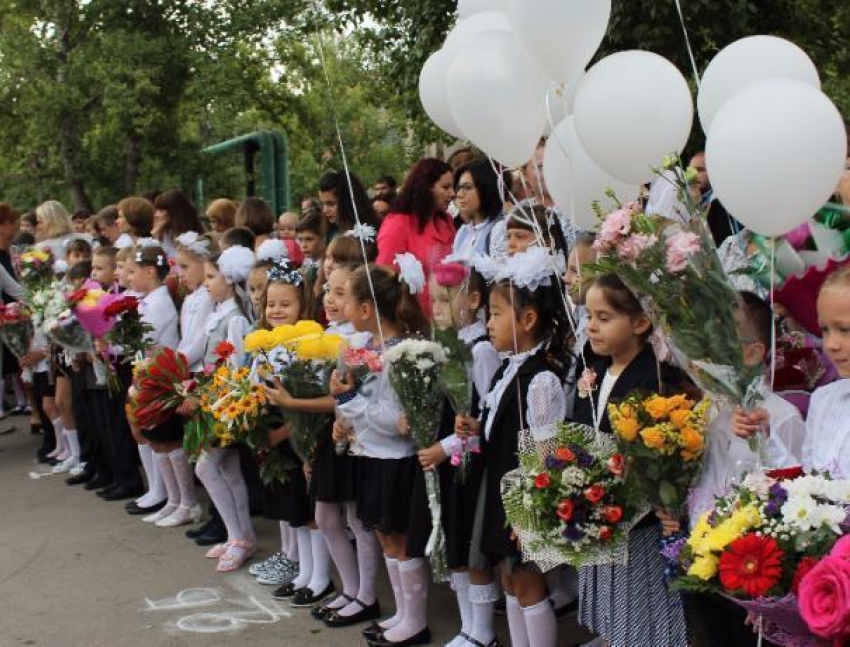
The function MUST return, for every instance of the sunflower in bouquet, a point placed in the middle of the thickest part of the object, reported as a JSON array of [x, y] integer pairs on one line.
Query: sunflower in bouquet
[[663, 440], [570, 502]]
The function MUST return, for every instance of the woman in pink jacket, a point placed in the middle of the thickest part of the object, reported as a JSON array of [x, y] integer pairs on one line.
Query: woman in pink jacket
[[419, 222]]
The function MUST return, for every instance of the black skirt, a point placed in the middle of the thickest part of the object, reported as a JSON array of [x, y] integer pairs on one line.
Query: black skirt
[[384, 491], [10, 363], [332, 480], [170, 431], [459, 512], [294, 505]]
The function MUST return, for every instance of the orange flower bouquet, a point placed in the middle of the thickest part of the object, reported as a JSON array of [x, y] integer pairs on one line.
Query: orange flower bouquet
[[663, 440]]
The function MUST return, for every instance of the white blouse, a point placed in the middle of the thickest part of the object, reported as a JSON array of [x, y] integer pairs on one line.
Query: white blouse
[[827, 442], [546, 403], [727, 456], [237, 328], [472, 240], [157, 310], [197, 308]]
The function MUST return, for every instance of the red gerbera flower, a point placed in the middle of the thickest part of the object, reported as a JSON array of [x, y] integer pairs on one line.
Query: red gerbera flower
[[751, 565], [566, 509], [225, 349], [806, 564], [542, 481]]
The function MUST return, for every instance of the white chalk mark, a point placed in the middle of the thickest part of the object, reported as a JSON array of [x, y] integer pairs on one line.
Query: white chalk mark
[[188, 599]]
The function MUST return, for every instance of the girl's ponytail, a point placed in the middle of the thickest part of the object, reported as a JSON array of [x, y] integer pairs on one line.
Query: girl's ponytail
[[392, 297], [408, 312]]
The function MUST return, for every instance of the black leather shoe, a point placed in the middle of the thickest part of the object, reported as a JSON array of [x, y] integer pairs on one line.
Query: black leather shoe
[[306, 598], [99, 482], [213, 536], [194, 533], [285, 592], [83, 477], [102, 492], [422, 638], [366, 613], [121, 493], [134, 508], [373, 632], [44, 459]]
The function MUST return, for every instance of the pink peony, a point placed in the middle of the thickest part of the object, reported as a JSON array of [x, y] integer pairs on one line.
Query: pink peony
[[631, 248], [615, 226], [841, 549], [680, 248], [824, 599]]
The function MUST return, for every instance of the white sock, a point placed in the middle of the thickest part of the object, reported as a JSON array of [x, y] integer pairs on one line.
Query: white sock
[[232, 473], [541, 625], [414, 586], [516, 623], [321, 575], [61, 444], [73, 439], [184, 474], [156, 488], [329, 520], [284, 537], [368, 558], [20, 396], [395, 581], [292, 555], [169, 478], [563, 585], [482, 598], [210, 475], [460, 585], [305, 557]]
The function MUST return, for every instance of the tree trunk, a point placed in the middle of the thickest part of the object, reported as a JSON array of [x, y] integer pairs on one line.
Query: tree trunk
[[131, 164]]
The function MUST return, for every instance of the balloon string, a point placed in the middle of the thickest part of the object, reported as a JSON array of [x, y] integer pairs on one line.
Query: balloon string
[[772, 310], [344, 156], [688, 42]]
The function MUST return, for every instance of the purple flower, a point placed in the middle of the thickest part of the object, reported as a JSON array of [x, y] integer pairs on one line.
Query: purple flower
[[584, 459], [553, 464], [777, 498], [573, 533]]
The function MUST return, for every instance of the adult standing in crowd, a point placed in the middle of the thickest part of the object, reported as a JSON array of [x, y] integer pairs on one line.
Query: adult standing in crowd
[[135, 221], [52, 228], [721, 224], [222, 215], [480, 207], [386, 188], [420, 223], [342, 194], [174, 215], [255, 214], [10, 370], [105, 225]]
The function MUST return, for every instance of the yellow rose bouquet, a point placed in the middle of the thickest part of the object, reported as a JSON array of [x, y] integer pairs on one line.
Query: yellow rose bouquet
[[663, 440]]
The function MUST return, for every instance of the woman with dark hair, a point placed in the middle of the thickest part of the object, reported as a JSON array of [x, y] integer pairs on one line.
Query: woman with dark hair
[[256, 215], [175, 215], [419, 223], [340, 194], [480, 206]]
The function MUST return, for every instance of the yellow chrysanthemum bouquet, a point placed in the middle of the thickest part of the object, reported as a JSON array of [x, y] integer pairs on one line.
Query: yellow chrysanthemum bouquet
[[302, 357], [663, 440]]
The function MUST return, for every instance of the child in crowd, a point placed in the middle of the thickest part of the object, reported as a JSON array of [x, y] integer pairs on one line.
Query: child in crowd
[[387, 460], [287, 226], [311, 238], [532, 226]]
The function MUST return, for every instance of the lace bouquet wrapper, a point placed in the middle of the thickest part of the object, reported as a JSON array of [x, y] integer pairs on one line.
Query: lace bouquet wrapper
[[777, 546], [569, 501], [16, 328], [414, 371]]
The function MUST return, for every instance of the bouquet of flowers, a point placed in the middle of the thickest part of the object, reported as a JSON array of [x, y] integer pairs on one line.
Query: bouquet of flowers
[[569, 501], [160, 384], [61, 325], [16, 328], [662, 440], [799, 368], [674, 268], [415, 367], [761, 542], [36, 270], [306, 376], [360, 362]]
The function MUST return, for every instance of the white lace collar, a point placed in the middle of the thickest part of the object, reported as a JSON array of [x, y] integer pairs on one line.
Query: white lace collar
[[469, 334], [222, 310]]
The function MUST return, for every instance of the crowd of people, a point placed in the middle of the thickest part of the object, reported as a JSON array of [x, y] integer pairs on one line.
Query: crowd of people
[[240, 268]]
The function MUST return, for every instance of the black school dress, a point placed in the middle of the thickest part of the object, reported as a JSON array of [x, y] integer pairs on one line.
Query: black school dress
[[333, 478], [289, 500]]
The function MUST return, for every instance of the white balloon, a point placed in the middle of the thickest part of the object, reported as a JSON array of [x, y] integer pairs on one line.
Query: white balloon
[[559, 103], [632, 109], [496, 95], [432, 93], [574, 180], [468, 27], [561, 35], [775, 153], [467, 8], [747, 61]]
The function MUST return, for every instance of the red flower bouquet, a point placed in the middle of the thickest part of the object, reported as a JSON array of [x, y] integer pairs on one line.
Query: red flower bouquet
[[160, 384], [16, 328]]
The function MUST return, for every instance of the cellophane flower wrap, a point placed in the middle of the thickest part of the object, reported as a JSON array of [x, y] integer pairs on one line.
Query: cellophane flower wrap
[[36, 270], [673, 267], [16, 328], [160, 384], [663, 441], [62, 326], [306, 376], [760, 542], [569, 501], [415, 367]]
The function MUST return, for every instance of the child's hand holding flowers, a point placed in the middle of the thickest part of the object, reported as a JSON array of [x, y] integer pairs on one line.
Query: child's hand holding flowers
[[746, 424]]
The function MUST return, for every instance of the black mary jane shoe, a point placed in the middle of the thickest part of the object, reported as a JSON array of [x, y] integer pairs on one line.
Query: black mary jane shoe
[[478, 643], [285, 591], [134, 508], [82, 478], [306, 598], [99, 481], [422, 638], [367, 612], [322, 611]]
